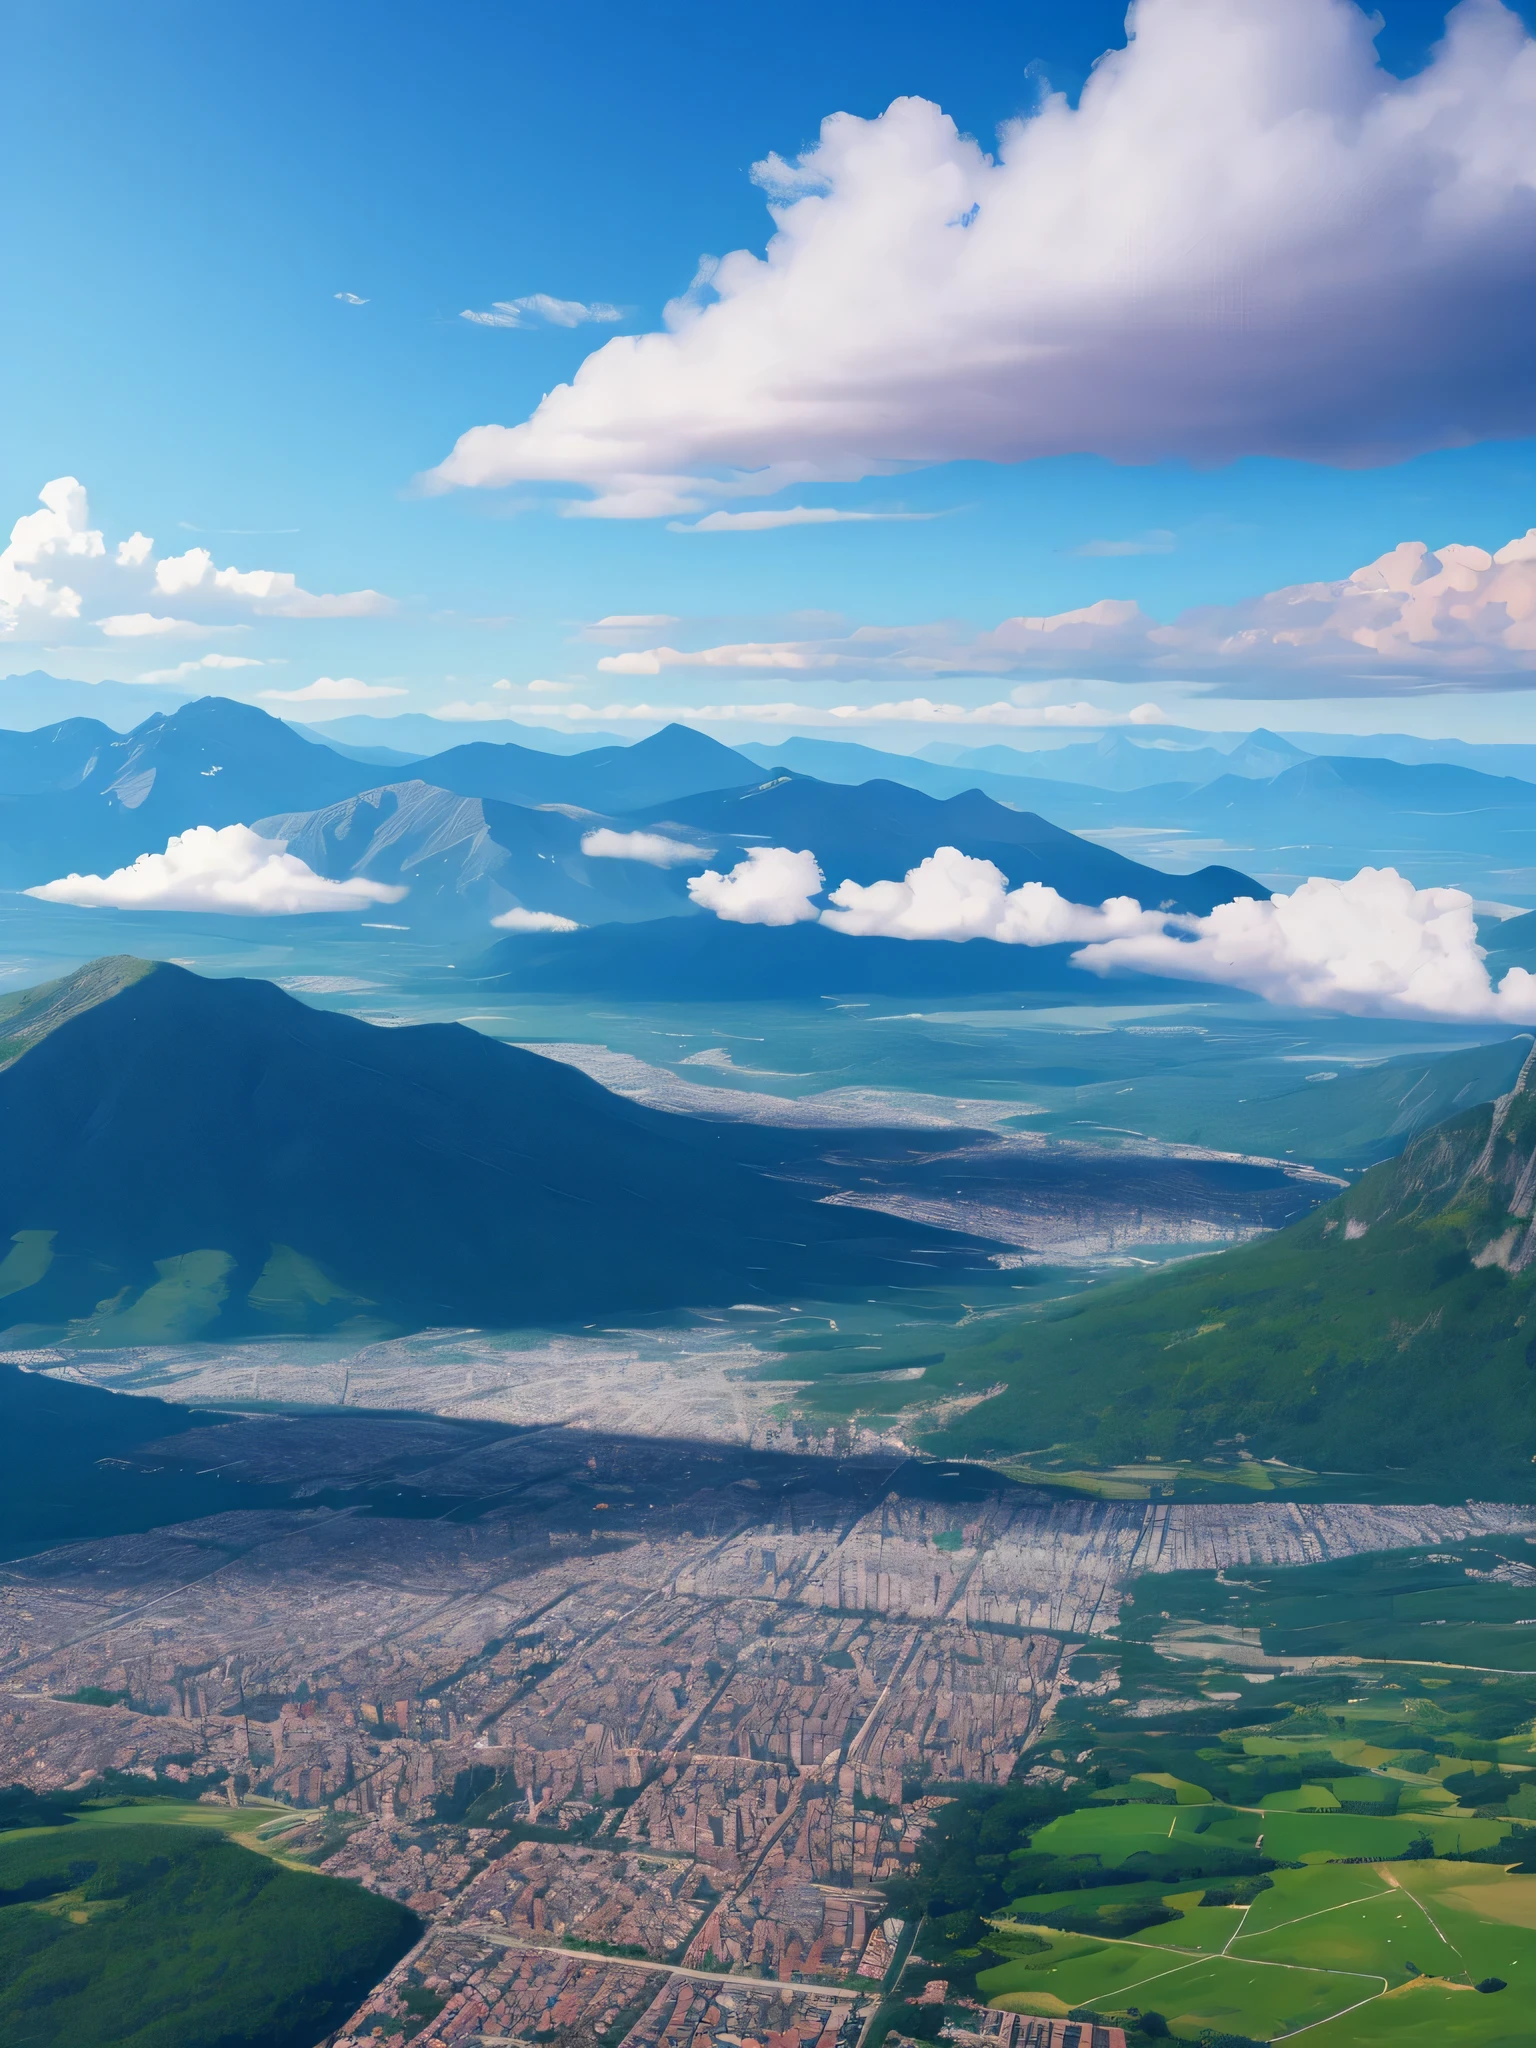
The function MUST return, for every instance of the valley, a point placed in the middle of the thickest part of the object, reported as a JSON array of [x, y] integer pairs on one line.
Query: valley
[[638, 1565]]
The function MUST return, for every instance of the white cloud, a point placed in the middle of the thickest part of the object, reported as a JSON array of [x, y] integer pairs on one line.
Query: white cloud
[[771, 886], [1413, 620], [349, 298], [146, 626], [1374, 946], [1246, 239], [750, 654], [55, 535], [1158, 540], [57, 567], [767, 517], [198, 665], [908, 711], [334, 690], [617, 623], [460, 710], [534, 921], [272, 593], [654, 848], [951, 895], [540, 686], [538, 309], [229, 868]]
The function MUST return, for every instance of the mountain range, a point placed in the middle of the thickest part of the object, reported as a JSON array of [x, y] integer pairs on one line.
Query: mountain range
[[183, 1156], [880, 829], [1386, 1342], [465, 860], [212, 763]]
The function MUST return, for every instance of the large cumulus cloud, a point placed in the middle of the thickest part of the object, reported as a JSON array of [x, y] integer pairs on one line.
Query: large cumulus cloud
[[1246, 239], [228, 868], [58, 569], [952, 895], [1372, 946]]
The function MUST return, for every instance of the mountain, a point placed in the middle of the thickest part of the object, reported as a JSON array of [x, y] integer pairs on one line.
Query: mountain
[[704, 959], [1493, 757], [420, 735], [376, 757], [1380, 807], [675, 762], [1387, 1341], [844, 761], [214, 762], [1119, 762], [181, 1156], [467, 859], [37, 698], [877, 830], [52, 758]]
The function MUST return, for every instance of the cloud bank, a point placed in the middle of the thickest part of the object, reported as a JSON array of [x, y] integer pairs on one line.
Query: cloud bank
[[908, 711], [57, 568], [952, 895], [654, 848], [1374, 946], [229, 868], [771, 886], [1246, 239], [1414, 621]]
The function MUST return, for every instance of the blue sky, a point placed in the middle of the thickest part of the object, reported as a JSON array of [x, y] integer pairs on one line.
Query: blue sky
[[200, 184]]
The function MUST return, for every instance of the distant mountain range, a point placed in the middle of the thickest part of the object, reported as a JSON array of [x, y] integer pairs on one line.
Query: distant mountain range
[[214, 762], [1389, 1336], [467, 859], [1114, 762], [483, 828], [181, 1156], [880, 829], [1382, 808]]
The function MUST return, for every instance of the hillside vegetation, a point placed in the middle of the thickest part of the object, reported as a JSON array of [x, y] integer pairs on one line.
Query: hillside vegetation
[[164, 1937], [1389, 1336]]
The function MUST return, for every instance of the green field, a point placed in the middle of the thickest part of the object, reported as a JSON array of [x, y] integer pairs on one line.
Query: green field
[[121, 1931], [1379, 1952]]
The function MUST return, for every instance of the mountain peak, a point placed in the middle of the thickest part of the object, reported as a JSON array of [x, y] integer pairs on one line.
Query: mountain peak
[[29, 1016]]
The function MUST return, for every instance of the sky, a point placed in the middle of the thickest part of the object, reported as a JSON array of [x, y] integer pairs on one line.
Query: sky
[[1156, 337]]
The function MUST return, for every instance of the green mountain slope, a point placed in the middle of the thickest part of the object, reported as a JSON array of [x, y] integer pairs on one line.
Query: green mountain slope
[[181, 1156], [1390, 1335]]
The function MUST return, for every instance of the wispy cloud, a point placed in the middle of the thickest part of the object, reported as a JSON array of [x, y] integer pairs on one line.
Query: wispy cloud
[[334, 690], [1158, 541], [350, 299], [198, 666], [538, 309], [907, 711], [146, 626], [767, 518]]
